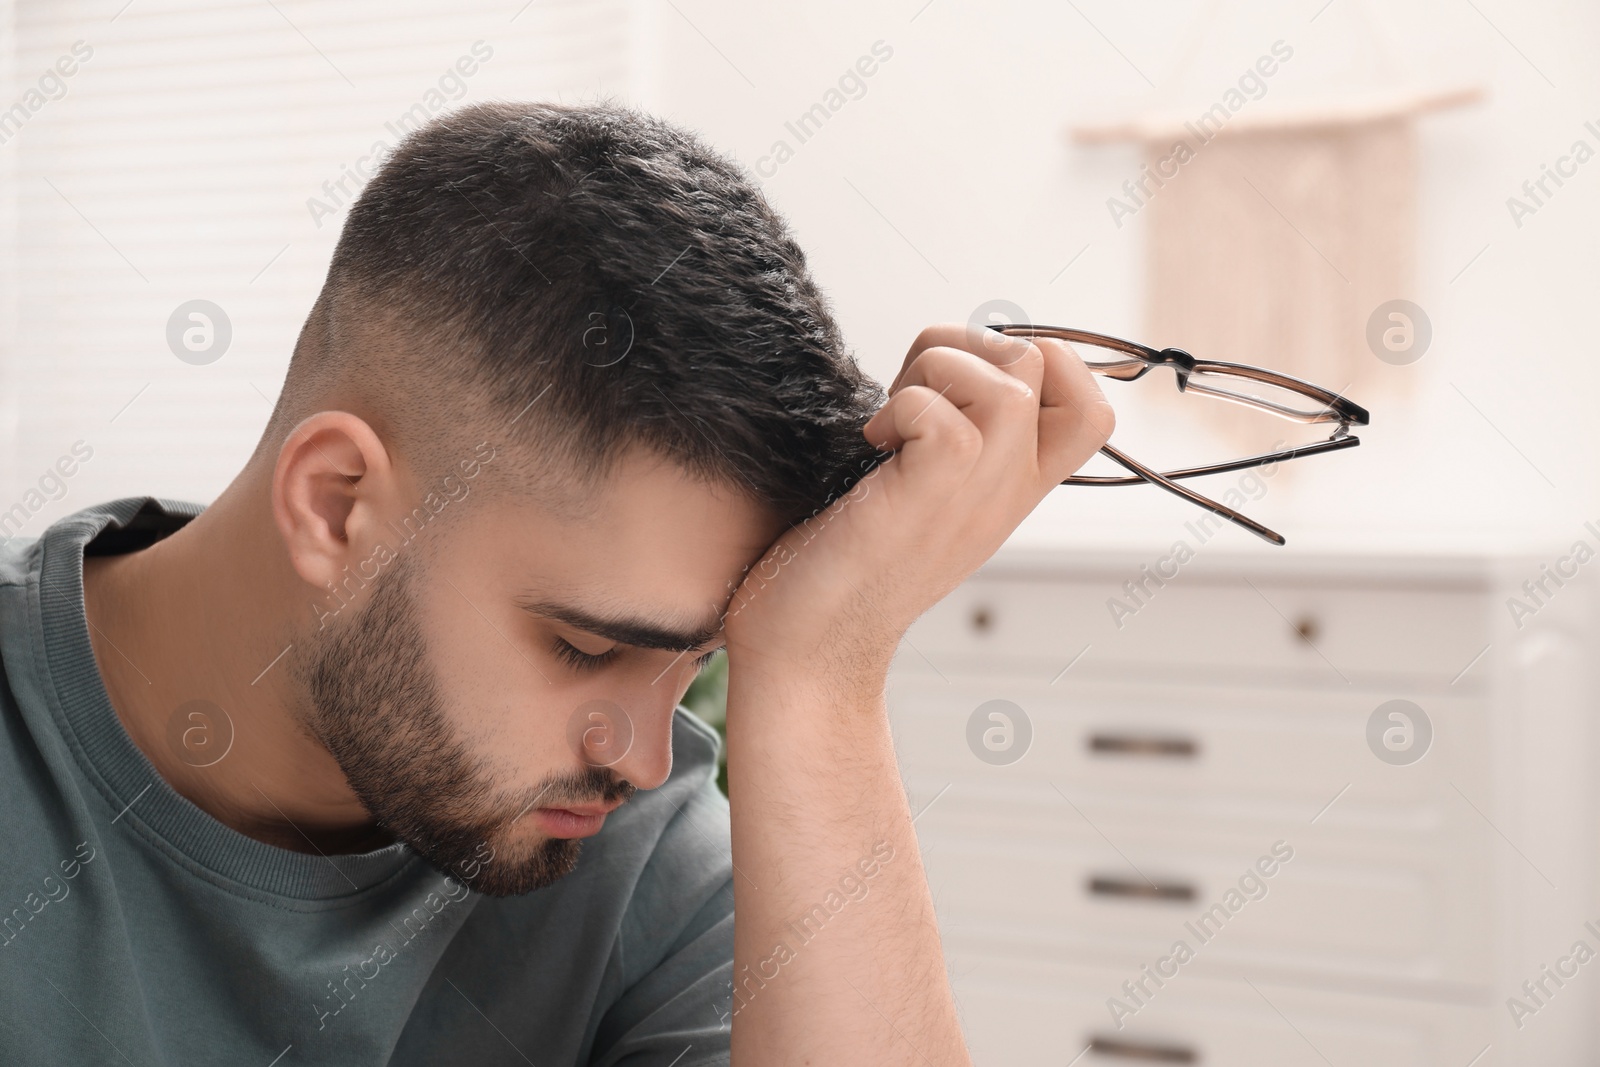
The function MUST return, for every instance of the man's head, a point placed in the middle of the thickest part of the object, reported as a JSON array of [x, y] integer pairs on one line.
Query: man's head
[[568, 377]]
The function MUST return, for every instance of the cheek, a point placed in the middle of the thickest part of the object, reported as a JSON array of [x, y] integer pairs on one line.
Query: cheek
[[523, 715], [489, 683]]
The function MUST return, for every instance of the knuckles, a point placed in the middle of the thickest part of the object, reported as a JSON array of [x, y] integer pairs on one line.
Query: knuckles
[[1018, 394], [948, 422], [934, 336], [999, 369], [1016, 353]]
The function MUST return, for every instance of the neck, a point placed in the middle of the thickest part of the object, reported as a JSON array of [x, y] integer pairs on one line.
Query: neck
[[211, 617]]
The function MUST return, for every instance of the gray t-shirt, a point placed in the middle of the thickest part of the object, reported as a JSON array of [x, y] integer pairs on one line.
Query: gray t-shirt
[[136, 929]]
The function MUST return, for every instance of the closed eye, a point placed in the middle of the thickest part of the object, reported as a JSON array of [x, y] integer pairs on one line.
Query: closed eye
[[583, 661]]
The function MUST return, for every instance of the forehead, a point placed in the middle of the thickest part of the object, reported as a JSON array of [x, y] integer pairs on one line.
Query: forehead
[[654, 543]]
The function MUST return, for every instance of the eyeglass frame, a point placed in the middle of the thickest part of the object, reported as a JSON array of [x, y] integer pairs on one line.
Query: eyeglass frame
[[1335, 408]]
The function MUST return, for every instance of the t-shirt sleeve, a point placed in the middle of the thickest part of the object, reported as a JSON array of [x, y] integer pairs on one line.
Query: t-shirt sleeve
[[678, 1013], [677, 941]]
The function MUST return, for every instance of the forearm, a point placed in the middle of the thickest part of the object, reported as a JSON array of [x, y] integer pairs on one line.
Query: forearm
[[980, 430], [836, 955]]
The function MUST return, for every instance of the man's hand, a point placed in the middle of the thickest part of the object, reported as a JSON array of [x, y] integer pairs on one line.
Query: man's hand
[[984, 426], [836, 949]]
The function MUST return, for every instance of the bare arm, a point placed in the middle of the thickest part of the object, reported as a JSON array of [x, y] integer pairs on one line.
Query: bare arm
[[837, 956]]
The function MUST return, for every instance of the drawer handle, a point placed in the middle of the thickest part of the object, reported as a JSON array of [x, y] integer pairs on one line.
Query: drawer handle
[[1138, 889], [1142, 1050], [1148, 746]]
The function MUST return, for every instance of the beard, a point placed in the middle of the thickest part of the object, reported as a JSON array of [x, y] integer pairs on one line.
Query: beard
[[374, 705]]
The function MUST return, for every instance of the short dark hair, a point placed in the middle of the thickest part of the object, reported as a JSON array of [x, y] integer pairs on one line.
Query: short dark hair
[[587, 278]]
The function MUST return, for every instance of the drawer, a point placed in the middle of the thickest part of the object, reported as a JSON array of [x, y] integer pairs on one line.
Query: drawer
[[1171, 749], [1272, 629], [1415, 922], [1185, 786], [1032, 1016]]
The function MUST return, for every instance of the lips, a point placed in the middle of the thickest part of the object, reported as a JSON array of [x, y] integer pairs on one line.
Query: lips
[[588, 809], [578, 820]]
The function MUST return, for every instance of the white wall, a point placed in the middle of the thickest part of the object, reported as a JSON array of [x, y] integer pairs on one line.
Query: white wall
[[181, 163], [959, 143], [184, 154]]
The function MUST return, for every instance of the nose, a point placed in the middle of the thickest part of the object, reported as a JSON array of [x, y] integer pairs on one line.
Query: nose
[[633, 740]]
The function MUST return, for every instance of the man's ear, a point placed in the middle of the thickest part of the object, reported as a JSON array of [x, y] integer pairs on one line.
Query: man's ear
[[331, 488]]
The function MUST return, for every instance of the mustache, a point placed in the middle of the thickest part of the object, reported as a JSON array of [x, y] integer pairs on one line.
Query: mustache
[[592, 784], [588, 786]]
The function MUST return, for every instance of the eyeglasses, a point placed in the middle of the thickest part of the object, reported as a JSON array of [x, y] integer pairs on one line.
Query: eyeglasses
[[1237, 383]]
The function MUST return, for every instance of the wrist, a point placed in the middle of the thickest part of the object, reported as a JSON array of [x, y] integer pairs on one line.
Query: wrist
[[847, 673], [806, 733]]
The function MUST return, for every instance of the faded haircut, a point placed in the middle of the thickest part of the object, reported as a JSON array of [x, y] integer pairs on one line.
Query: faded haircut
[[568, 282]]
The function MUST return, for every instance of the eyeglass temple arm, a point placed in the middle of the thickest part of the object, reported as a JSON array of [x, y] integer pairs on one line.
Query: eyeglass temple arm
[[1266, 459], [1154, 478]]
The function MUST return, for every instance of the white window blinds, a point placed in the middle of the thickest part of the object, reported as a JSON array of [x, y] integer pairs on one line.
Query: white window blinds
[[163, 152]]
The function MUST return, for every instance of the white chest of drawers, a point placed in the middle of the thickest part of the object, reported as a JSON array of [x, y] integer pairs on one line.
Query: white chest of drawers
[[1193, 767]]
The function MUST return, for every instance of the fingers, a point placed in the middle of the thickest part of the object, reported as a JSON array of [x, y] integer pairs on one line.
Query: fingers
[[1015, 355], [1022, 398], [1074, 417], [920, 413], [1003, 407]]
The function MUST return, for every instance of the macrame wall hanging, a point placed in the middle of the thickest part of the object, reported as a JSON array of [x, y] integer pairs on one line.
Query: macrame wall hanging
[[1276, 230]]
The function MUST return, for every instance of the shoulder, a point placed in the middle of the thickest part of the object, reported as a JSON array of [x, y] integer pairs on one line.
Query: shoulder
[[681, 827], [16, 559], [680, 838]]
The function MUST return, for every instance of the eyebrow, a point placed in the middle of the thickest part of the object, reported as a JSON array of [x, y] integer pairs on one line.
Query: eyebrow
[[640, 633]]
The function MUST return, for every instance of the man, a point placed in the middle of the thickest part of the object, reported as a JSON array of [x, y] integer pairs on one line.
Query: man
[[379, 757]]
